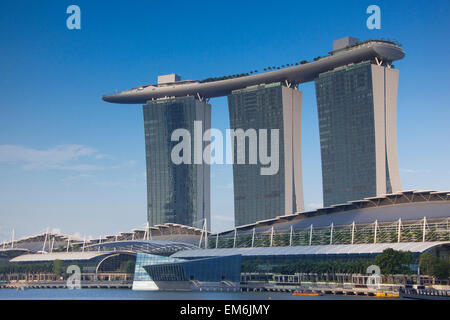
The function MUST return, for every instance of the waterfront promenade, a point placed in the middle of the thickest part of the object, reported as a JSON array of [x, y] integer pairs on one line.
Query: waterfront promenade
[[51, 281], [63, 285]]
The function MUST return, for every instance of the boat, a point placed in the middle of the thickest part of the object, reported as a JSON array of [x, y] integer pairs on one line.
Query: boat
[[424, 294], [382, 294], [307, 293]]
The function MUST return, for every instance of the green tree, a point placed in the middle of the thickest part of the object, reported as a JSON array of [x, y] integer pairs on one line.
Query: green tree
[[431, 265], [427, 263], [57, 267], [442, 269], [392, 261]]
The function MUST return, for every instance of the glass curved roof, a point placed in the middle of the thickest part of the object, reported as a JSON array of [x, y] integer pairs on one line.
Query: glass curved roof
[[158, 247], [347, 249]]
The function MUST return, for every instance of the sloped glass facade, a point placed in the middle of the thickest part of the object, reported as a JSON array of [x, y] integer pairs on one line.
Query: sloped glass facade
[[145, 259], [156, 268], [256, 196], [347, 134], [176, 193], [217, 269], [356, 108]]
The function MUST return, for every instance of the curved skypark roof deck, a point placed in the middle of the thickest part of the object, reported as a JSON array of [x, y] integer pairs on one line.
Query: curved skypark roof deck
[[385, 51]]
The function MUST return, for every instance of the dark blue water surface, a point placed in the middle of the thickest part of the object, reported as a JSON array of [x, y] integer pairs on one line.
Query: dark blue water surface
[[127, 294]]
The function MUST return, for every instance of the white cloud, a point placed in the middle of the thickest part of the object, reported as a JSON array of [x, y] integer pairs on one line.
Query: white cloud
[[409, 170], [59, 157], [77, 177], [109, 184], [77, 167], [56, 230], [127, 164], [314, 205], [76, 236], [103, 156]]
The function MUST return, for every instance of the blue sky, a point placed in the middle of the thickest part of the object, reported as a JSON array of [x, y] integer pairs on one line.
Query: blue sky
[[73, 163]]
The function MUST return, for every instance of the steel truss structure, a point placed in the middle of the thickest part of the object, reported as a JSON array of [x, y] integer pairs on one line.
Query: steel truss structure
[[424, 230]]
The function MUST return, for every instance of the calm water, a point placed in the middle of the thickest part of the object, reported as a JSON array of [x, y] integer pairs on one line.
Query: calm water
[[126, 294]]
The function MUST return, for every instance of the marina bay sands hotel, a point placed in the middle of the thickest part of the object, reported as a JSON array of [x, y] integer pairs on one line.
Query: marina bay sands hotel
[[356, 90]]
